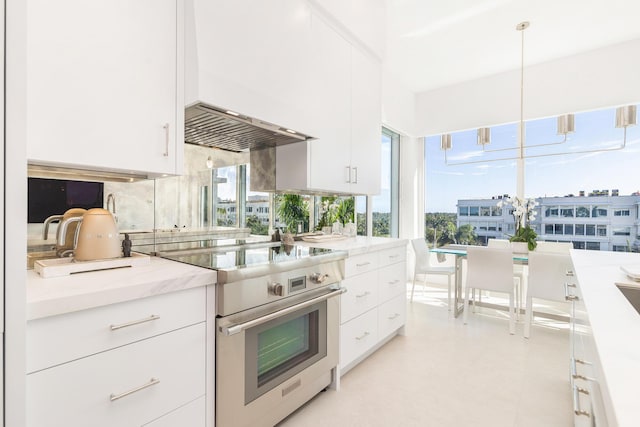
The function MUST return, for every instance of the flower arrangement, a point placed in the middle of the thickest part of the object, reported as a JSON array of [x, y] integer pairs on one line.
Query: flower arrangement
[[523, 212]]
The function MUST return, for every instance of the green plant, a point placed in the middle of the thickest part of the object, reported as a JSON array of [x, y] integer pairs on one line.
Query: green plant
[[292, 209], [335, 209], [523, 213]]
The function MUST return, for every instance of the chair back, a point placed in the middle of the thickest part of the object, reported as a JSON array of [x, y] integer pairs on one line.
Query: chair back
[[490, 268], [554, 247], [548, 274], [499, 243], [422, 254]]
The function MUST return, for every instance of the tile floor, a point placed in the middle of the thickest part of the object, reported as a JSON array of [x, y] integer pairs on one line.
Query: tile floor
[[444, 373]]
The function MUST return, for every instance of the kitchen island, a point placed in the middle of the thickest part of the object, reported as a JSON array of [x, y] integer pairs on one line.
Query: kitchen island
[[615, 330]]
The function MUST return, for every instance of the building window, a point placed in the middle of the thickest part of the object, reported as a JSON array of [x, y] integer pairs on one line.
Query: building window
[[463, 211], [598, 212], [551, 212], [568, 229], [548, 229], [566, 212], [621, 212], [582, 212], [591, 230], [593, 246], [558, 229], [620, 248], [474, 210], [580, 229], [622, 231], [602, 230]]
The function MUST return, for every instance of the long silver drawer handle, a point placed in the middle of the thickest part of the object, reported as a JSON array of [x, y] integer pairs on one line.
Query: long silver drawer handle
[[235, 329], [363, 264], [152, 381], [363, 295], [134, 322], [576, 401], [363, 336], [395, 316]]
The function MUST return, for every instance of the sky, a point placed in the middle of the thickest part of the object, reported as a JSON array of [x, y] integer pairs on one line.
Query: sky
[[556, 175]]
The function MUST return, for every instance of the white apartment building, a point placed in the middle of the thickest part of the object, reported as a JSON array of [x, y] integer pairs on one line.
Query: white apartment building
[[597, 221]]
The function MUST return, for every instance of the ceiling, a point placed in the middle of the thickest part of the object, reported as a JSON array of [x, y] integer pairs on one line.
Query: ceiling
[[436, 43]]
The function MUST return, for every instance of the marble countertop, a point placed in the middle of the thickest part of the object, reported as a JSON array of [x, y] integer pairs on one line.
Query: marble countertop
[[359, 244], [615, 325], [58, 295]]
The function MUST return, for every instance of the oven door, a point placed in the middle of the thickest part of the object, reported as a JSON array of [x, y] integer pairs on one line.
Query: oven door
[[269, 363]]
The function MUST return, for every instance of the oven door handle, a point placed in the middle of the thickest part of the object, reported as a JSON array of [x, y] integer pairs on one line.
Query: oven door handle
[[240, 327]]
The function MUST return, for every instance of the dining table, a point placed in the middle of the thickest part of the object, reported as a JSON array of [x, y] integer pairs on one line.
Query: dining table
[[460, 253]]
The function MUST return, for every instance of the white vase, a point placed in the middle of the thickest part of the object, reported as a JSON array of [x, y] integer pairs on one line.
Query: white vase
[[519, 247]]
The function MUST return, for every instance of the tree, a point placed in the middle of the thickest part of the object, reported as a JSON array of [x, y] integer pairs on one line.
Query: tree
[[257, 226], [292, 209]]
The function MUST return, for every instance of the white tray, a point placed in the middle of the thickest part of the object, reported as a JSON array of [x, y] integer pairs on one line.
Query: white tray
[[633, 271], [323, 238], [57, 267]]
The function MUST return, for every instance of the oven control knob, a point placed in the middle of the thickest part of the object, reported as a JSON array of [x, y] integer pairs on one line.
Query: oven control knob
[[318, 277], [276, 289]]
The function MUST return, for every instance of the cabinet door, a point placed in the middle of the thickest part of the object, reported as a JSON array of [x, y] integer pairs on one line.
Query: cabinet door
[[361, 295], [330, 106], [189, 415], [127, 386], [102, 84], [358, 336], [366, 124]]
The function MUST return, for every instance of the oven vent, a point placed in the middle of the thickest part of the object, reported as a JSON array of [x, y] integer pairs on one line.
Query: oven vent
[[218, 128]]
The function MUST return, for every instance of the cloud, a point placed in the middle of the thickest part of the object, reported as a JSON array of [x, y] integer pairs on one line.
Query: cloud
[[447, 173]]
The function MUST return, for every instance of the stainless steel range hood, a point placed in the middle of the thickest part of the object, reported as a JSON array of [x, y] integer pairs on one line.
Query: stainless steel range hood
[[228, 130]]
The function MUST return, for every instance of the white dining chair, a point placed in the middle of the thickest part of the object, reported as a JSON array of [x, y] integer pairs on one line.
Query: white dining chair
[[490, 269], [554, 247], [519, 272], [423, 266], [548, 272]]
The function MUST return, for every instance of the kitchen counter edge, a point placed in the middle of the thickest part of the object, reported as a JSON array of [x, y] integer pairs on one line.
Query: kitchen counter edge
[[60, 295]]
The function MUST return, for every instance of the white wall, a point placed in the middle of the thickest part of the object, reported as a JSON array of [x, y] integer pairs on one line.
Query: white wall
[[597, 79], [398, 105]]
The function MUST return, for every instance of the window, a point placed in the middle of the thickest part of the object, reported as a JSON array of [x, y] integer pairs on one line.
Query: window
[[568, 229], [463, 211], [579, 245], [558, 229], [593, 246], [620, 248], [551, 212], [598, 212], [580, 229], [602, 230], [591, 230], [548, 229], [621, 212], [485, 211], [566, 212], [385, 205], [622, 231], [474, 210], [582, 212]]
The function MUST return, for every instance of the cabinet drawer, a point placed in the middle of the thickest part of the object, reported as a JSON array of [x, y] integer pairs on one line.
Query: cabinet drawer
[[392, 256], [190, 415], [93, 391], [58, 339], [359, 264], [361, 295], [358, 336], [391, 316], [392, 281]]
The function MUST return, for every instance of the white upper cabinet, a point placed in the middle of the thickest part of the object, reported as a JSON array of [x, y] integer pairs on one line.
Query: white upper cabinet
[[105, 84], [366, 124]]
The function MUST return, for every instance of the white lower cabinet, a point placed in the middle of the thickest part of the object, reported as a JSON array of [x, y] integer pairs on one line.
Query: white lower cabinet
[[374, 306], [585, 371], [129, 364], [191, 414]]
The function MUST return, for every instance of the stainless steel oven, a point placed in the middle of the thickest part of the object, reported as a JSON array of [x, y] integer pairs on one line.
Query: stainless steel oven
[[275, 354]]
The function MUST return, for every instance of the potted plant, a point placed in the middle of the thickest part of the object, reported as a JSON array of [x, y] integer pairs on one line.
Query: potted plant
[[523, 212]]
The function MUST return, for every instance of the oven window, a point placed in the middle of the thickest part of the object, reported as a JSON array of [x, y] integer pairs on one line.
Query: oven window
[[284, 346], [281, 348]]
